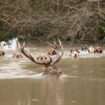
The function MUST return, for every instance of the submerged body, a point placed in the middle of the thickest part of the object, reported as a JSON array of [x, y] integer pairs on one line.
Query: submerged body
[[47, 60]]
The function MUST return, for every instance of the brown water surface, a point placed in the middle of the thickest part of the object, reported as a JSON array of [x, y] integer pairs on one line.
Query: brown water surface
[[83, 82]]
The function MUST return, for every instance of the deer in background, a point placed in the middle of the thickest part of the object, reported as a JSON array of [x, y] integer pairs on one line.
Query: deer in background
[[47, 60], [3, 44], [12, 46], [96, 49], [74, 53], [17, 53]]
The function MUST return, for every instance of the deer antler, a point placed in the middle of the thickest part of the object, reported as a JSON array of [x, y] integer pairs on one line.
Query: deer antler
[[29, 56], [54, 44], [46, 60], [58, 56], [18, 45], [50, 44]]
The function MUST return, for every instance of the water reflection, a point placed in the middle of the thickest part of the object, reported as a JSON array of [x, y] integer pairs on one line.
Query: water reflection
[[48, 91], [14, 92], [52, 92], [84, 92], [83, 83]]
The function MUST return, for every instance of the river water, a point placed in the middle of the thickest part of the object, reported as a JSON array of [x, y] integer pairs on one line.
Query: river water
[[82, 83]]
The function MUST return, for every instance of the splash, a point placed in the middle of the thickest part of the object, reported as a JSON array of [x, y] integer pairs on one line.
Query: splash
[[13, 44], [26, 74]]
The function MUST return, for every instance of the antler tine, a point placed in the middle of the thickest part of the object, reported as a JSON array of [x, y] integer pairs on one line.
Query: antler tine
[[23, 45], [59, 41], [54, 42], [29, 56], [61, 46], [50, 44], [58, 55], [17, 42], [26, 54], [55, 45]]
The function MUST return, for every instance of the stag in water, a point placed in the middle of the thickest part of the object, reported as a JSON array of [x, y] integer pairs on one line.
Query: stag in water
[[47, 60]]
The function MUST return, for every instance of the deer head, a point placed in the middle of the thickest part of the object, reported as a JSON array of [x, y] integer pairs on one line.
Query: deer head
[[17, 53], [74, 52], [46, 60], [3, 43], [98, 49]]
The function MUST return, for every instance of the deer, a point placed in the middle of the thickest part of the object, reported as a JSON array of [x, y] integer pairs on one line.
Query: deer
[[74, 53], [3, 45], [17, 54], [96, 49], [46, 60]]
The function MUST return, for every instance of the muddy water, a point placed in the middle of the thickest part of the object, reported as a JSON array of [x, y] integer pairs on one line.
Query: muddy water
[[83, 82]]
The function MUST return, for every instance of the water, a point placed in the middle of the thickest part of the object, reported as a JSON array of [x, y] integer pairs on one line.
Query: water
[[83, 81]]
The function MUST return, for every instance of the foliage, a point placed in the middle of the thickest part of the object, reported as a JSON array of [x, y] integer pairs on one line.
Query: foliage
[[71, 20], [6, 37]]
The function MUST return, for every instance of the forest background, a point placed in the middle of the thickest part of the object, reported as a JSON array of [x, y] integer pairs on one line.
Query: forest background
[[74, 21]]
